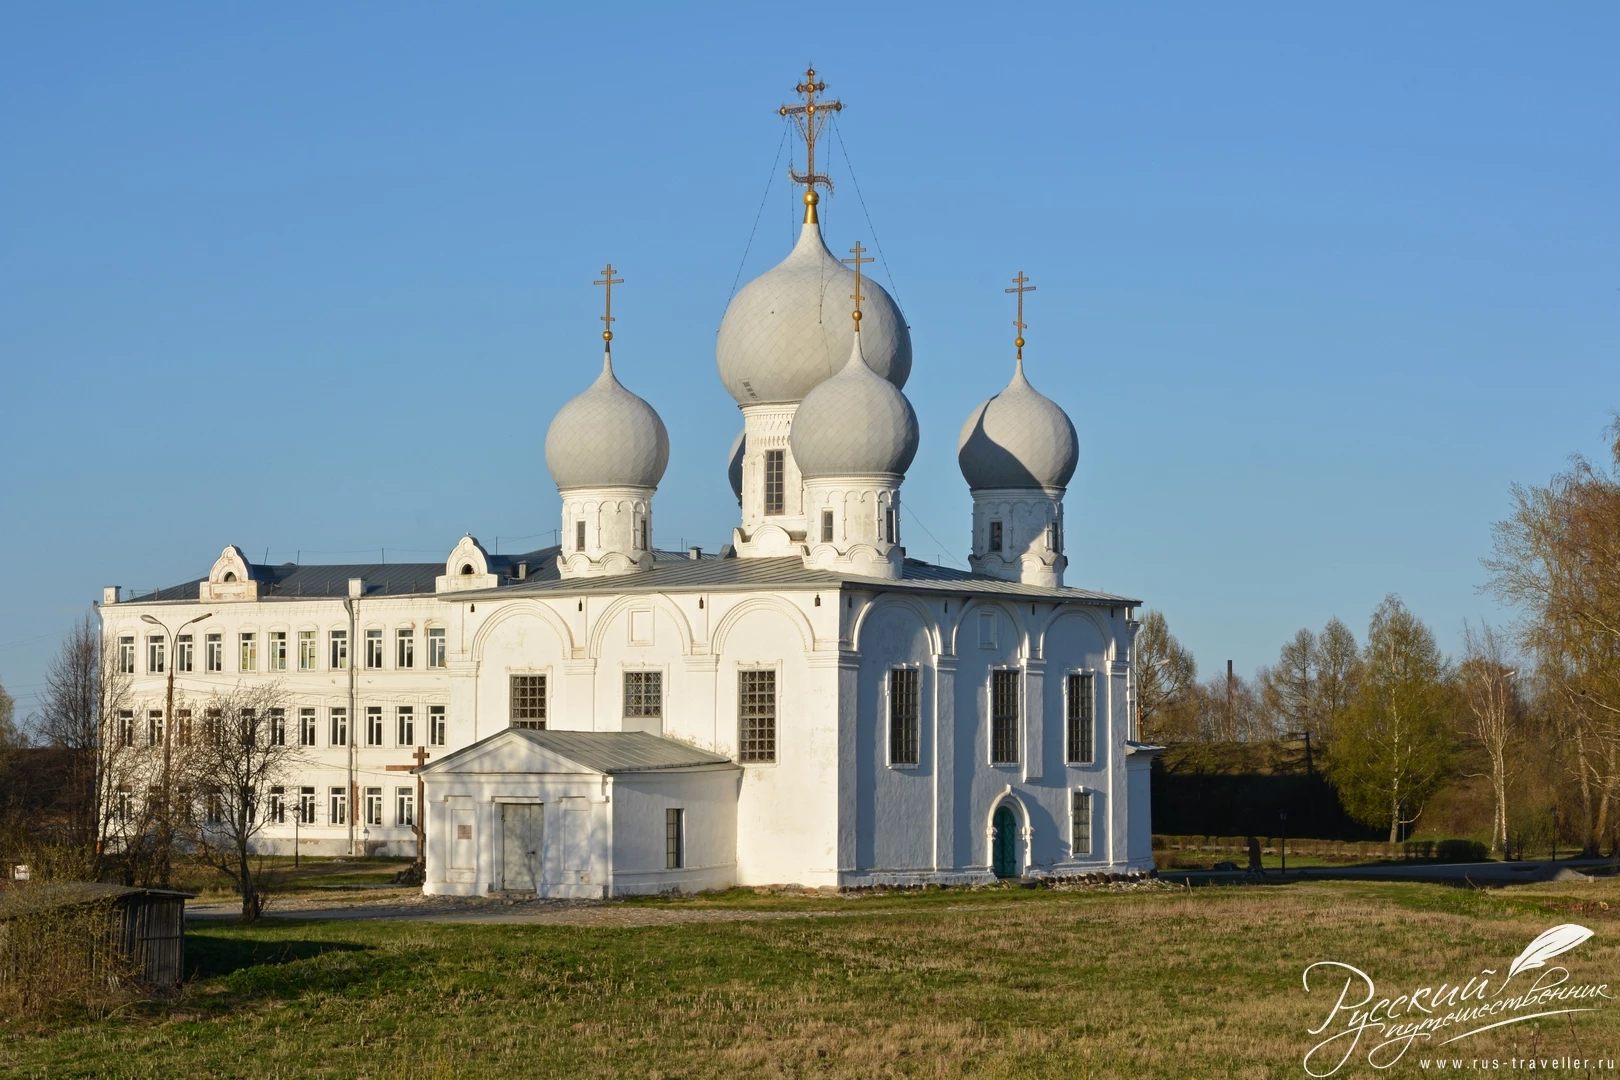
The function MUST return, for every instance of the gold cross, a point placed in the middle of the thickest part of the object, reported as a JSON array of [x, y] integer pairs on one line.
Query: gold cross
[[609, 281], [810, 117], [856, 262], [1021, 287]]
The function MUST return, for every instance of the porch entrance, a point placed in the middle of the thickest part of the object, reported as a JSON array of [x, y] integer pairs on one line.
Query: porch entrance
[[1004, 846]]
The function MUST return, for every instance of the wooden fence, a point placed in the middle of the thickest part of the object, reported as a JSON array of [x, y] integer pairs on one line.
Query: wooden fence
[[1348, 850]]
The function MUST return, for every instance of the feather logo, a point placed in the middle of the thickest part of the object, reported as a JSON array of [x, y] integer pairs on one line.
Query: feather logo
[[1560, 939]]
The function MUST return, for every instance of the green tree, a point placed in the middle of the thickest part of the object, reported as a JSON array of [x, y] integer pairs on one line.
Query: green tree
[[1394, 745], [1166, 682]]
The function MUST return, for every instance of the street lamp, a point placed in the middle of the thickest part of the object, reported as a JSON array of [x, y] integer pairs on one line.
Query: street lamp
[[1282, 815], [165, 823]]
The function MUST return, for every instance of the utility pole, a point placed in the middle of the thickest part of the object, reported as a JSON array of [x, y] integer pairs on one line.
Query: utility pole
[[165, 837]]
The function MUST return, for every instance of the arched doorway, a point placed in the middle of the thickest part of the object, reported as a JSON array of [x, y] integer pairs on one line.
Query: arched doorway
[[1004, 843]]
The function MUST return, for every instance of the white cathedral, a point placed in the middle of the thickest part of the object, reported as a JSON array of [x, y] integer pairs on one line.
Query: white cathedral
[[808, 706]]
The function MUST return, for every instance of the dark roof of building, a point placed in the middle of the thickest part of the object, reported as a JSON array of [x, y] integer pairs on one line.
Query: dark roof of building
[[604, 751], [672, 571]]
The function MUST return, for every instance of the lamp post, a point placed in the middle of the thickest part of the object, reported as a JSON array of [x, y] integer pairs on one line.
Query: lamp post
[[1282, 815], [165, 822]]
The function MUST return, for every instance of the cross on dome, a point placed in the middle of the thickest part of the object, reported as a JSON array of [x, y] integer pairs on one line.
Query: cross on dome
[[1021, 287], [810, 117], [608, 281], [856, 262]]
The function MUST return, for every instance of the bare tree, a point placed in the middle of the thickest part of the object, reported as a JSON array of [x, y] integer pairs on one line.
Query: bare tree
[[85, 713], [1491, 712], [1339, 671], [1166, 681], [234, 764], [1289, 689]]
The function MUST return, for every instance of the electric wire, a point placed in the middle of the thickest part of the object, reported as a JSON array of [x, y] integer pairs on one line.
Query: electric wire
[[770, 181], [894, 289]]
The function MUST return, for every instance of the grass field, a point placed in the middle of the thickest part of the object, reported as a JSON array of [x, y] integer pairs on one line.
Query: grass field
[[982, 983]]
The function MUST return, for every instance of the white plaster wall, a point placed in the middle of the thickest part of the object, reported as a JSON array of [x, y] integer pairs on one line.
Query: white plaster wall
[[708, 798], [894, 804]]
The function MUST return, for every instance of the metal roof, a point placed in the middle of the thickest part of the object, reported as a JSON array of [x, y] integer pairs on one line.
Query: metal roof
[[604, 751], [672, 571]]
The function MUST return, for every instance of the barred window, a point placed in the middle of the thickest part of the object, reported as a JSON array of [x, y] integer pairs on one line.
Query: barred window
[[775, 482], [1082, 714], [1080, 824], [674, 839], [904, 715], [644, 693], [756, 715], [1004, 717], [529, 701]]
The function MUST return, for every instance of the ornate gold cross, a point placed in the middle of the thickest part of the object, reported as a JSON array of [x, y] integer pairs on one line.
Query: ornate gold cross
[[609, 281], [856, 262], [810, 117], [1021, 286]]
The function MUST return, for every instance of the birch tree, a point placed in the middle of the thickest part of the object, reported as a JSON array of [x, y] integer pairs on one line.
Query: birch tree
[[1491, 712]]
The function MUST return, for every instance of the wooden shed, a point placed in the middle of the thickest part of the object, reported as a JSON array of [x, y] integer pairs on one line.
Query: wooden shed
[[144, 928]]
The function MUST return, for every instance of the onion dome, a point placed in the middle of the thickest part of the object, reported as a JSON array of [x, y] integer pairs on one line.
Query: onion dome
[[1018, 439], [607, 437], [788, 329], [734, 464], [854, 424]]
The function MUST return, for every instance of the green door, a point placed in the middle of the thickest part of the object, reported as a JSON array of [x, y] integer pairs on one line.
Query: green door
[[1004, 853]]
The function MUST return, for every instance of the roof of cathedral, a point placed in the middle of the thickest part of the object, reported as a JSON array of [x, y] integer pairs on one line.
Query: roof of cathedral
[[854, 424], [603, 751], [607, 437], [789, 329], [1018, 439], [674, 571]]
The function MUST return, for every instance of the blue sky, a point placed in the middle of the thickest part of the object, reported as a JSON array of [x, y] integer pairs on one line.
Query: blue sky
[[1316, 285]]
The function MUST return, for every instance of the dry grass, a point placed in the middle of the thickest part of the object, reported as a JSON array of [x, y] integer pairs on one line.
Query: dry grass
[[1202, 983]]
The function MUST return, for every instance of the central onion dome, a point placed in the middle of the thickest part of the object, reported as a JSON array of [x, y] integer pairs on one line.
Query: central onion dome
[[607, 437], [854, 424], [1018, 439], [789, 329]]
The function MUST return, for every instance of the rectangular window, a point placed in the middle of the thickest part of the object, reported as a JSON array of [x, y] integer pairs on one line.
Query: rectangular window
[[213, 806], [154, 727], [124, 804], [182, 727], [249, 653], [436, 643], [775, 481], [184, 651], [889, 531], [641, 534], [374, 806], [374, 725], [674, 838], [826, 526], [404, 806], [1082, 719], [995, 536], [374, 649], [306, 806], [405, 649], [126, 654], [339, 733], [308, 650], [339, 641], [756, 715], [126, 727], [278, 650], [212, 726], [278, 727], [278, 806], [1080, 824], [1004, 717], [154, 654], [338, 805], [905, 715], [579, 536], [436, 725], [1054, 537], [644, 693], [306, 727], [214, 644], [405, 725], [529, 701]]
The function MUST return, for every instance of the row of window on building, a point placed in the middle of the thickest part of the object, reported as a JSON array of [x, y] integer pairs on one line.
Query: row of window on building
[[757, 712], [282, 652], [300, 727], [299, 805]]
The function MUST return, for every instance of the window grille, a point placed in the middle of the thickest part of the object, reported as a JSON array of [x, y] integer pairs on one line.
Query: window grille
[[644, 694], [775, 481], [905, 715], [756, 715], [1004, 717], [1081, 719], [529, 701]]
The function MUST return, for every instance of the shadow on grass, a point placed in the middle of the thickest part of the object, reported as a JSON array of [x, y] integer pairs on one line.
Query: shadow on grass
[[210, 957]]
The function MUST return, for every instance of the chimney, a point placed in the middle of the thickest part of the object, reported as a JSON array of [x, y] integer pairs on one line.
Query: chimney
[[357, 588], [694, 552], [109, 595], [522, 571]]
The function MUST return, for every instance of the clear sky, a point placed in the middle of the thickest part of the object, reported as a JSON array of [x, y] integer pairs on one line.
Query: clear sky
[[1316, 283]]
